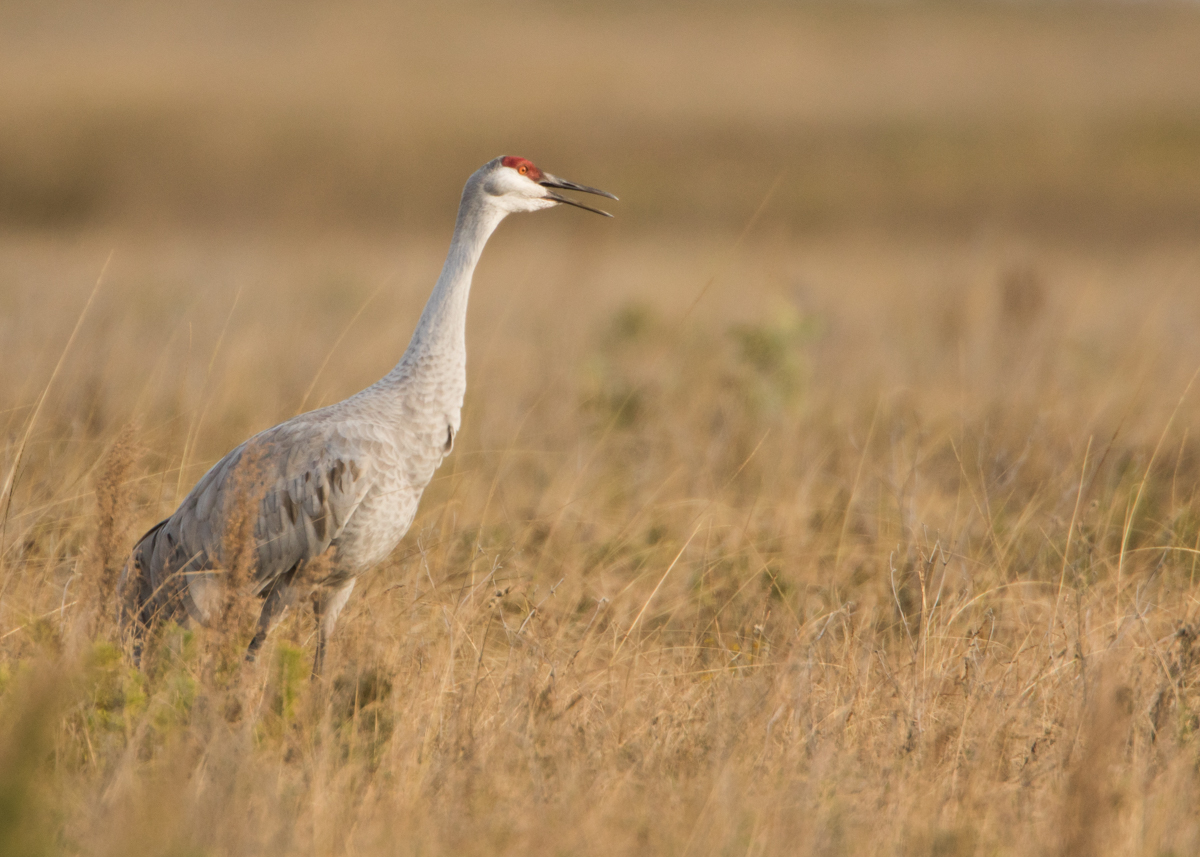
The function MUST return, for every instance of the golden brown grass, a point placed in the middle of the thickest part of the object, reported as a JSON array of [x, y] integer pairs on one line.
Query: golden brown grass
[[847, 550], [758, 538], [959, 114]]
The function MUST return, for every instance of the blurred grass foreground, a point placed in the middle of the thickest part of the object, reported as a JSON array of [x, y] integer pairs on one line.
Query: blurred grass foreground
[[838, 497]]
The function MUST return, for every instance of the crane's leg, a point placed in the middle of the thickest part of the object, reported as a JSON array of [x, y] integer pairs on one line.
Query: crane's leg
[[327, 604], [279, 598]]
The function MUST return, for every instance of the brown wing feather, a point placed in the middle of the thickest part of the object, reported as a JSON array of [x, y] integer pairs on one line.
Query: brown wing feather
[[305, 495]]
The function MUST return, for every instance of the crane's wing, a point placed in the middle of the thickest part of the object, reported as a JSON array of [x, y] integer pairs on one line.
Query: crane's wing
[[285, 495]]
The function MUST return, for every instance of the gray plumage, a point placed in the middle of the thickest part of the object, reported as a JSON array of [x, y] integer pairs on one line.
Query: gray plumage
[[340, 484]]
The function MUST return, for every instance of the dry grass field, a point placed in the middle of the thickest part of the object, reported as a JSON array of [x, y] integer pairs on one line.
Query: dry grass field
[[838, 497]]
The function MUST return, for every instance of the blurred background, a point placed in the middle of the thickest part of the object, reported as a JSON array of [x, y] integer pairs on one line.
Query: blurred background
[[1065, 118], [896, 293]]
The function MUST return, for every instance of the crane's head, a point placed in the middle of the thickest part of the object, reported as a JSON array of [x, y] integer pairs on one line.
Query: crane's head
[[515, 184]]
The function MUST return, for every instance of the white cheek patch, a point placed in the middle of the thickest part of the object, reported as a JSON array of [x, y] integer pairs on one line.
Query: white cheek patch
[[515, 193], [508, 182]]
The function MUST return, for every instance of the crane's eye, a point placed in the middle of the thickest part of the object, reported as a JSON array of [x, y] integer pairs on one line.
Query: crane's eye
[[522, 169]]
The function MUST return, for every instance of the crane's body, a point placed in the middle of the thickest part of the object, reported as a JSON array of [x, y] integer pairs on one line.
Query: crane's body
[[343, 482]]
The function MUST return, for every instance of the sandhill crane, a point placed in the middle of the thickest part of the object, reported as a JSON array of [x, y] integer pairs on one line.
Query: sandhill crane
[[341, 482]]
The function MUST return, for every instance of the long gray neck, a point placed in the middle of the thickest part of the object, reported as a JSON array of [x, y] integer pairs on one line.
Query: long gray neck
[[440, 337]]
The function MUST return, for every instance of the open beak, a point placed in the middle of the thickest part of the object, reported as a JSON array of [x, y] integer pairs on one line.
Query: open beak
[[554, 181]]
